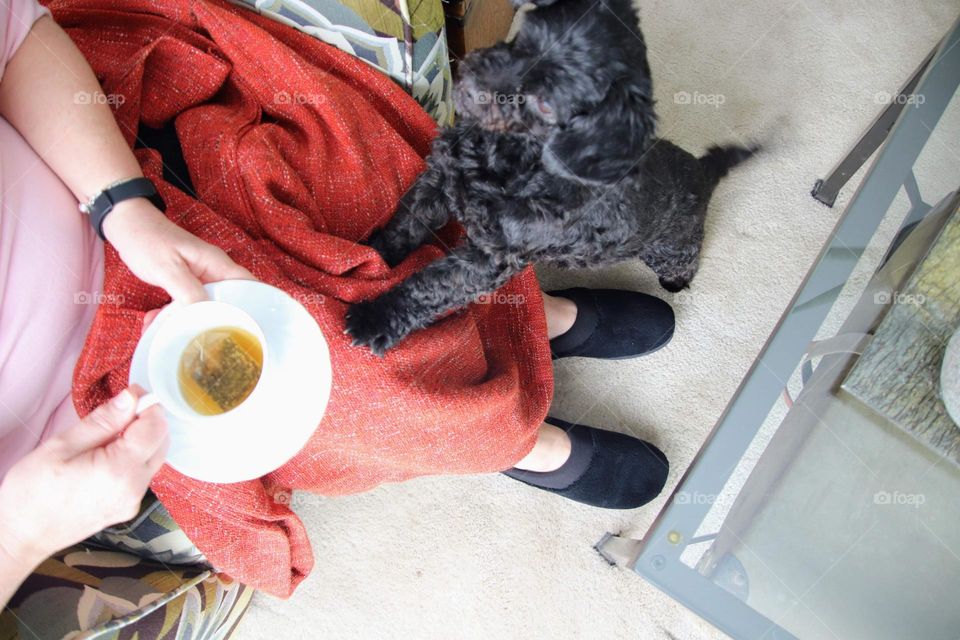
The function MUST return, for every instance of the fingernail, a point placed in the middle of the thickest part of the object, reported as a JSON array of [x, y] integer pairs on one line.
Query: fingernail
[[124, 401]]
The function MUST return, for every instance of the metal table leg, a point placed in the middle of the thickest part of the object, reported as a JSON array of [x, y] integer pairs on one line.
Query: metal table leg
[[826, 189]]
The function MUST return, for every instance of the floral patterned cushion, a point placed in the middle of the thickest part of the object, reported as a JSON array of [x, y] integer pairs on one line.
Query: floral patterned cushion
[[143, 579], [86, 593], [152, 534], [405, 39]]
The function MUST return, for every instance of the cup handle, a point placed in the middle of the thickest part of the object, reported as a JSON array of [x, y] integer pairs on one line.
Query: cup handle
[[146, 401]]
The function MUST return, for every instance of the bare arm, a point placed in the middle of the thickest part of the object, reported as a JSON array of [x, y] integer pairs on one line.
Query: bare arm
[[51, 96]]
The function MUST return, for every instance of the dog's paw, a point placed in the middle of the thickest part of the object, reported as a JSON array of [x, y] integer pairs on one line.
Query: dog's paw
[[370, 324], [674, 285]]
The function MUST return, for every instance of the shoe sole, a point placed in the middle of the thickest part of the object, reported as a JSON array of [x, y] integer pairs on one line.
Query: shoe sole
[[616, 358]]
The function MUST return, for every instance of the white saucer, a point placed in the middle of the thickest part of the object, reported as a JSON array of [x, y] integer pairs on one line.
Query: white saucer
[[292, 404]]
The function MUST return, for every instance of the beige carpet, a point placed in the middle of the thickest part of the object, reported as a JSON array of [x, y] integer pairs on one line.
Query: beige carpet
[[486, 557]]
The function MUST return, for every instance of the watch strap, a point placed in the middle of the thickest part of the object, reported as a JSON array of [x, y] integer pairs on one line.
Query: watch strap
[[103, 203]]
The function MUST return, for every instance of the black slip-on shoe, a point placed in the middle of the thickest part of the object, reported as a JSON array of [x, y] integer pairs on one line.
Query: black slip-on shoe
[[613, 324], [605, 469]]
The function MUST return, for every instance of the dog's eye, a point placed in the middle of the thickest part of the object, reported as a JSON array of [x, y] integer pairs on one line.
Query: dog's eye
[[544, 107]]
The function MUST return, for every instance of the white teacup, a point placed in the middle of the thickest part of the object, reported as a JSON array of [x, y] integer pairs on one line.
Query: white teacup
[[173, 336]]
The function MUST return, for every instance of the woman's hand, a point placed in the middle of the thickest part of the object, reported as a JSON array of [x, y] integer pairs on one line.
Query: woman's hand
[[162, 254], [79, 482]]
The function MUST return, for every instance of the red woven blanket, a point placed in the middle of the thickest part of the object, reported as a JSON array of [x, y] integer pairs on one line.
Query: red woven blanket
[[297, 150]]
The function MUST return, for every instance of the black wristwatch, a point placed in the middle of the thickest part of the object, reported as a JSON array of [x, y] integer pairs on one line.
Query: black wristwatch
[[102, 204]]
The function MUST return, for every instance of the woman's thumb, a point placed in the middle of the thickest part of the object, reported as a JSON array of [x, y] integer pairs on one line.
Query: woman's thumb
[[101, 426]]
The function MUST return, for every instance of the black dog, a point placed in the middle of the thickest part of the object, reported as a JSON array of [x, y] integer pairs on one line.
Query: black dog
[[554, 160]]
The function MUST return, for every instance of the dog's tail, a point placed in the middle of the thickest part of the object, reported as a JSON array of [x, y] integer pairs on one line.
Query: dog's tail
[[719, 160]]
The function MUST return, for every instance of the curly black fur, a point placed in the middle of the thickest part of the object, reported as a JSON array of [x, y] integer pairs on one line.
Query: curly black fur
[[553, 160]]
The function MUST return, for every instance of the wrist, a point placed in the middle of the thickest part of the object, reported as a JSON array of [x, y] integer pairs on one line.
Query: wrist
[[17, 556], [126, 217], [102, 204], [90, 194]]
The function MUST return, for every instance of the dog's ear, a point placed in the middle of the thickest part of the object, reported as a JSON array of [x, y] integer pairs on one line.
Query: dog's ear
[[603, 145]]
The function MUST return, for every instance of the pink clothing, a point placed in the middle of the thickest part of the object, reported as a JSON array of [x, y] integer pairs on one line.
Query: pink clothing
[[51, 275]]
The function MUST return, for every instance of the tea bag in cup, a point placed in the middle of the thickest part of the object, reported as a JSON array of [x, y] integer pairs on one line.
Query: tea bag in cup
[[219, 368]]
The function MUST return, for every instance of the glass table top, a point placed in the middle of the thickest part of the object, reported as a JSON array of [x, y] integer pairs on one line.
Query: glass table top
[[809, 512]]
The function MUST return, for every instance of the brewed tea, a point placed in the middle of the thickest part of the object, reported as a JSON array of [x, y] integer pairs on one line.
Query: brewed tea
[[219, 369]]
